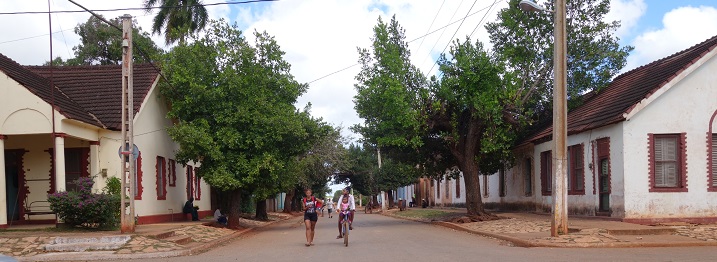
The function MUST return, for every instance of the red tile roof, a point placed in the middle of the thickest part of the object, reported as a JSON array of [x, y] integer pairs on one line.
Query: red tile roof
[[40, 86], [98, 89], [625, 91]]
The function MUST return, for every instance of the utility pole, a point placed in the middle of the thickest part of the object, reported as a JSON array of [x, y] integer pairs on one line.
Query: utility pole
[[383, 199], [559, 225], [127, 147]]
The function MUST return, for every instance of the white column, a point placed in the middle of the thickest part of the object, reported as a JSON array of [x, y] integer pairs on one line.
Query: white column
[[3, 195], [60, 163], [95, 161]]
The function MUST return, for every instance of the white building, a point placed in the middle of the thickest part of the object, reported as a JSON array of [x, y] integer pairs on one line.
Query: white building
[[86, 124]]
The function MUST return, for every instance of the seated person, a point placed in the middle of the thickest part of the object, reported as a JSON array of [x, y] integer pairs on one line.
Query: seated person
[[189, 209], [221, 219]]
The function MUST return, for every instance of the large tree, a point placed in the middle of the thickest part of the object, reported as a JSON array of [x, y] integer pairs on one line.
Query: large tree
[[525, 41], [234, 105], [178, 18], [101, 44]]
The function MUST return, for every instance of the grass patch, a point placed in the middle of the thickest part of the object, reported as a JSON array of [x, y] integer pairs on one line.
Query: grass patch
[[423, 213]]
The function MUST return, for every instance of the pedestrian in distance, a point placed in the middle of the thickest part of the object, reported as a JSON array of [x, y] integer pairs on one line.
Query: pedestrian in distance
[[329, 207], [310, 205]]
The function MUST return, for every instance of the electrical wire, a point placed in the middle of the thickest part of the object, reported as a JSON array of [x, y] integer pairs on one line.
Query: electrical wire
[[454, 35], [31, 37], [441, 35], [131, 8], [483, 18], [434, 20]]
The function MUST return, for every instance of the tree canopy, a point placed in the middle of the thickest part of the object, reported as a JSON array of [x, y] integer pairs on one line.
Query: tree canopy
[[234, 105], [178, 18], [101, 44]]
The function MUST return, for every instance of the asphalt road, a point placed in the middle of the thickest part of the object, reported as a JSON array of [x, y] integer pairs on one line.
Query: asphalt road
[[380, 238]]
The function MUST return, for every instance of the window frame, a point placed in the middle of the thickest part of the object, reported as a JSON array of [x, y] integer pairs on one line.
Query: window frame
[[486, 193], [712, 161], [161, 172], [546, 172], [172, 173], [502, 190], [528, 176], [458, 187], [680, 162], [576, 152], [138, 190]]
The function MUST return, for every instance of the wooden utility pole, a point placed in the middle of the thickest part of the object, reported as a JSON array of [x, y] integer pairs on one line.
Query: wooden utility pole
[[127, 146], [559, 225]]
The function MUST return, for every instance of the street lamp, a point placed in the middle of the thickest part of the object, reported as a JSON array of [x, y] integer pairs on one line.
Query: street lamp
[[559, 223]]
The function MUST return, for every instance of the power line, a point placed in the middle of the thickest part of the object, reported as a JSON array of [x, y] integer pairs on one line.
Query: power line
[[454, 35], [31, 37], [132, 8], [483, 18], [439, 37], [413, 40], [434, 20]]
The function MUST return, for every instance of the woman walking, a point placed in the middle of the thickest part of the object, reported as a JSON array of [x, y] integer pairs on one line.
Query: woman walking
[[310, 216]]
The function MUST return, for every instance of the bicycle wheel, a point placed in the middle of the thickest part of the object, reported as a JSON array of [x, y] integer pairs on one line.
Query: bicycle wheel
[[346, 234]]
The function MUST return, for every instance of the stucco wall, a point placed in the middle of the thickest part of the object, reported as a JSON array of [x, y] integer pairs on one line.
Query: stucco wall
[[22, 112], [685, 108]]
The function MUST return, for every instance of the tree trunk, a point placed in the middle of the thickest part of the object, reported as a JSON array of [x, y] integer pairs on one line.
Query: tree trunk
[[375, 200], [390, 199], [261, 210], [474, 202], [288, 201], [234, 211]]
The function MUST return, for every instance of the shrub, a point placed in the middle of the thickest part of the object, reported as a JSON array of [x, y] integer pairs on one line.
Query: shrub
[[83, 208]]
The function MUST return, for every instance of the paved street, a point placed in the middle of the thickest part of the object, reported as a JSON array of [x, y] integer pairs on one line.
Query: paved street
[[380, 238]]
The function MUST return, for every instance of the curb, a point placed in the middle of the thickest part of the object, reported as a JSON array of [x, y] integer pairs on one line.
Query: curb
[[110, 255], [527, 243]]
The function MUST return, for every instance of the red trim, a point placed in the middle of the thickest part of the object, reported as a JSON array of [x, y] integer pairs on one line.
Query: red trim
[[140, 189], [603, 151], [172, 173], [63, 135], [161, 171], [573, 166], [3, 137], [94, 143], [85, 161], [189, 172], [197, 185], [176, 217], [4, 226], [594, 168], [710, 165], [23, 189], [53, 187], [681, 161], [546, 167]]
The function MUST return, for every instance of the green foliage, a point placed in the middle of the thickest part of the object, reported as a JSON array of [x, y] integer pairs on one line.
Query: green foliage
[[83, 208], [337, 194], [113, 186], [234, 102], [102, 44], [178, 18], [525, 41]]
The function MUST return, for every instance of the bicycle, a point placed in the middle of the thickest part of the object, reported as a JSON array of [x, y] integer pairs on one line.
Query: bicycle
[[345, 226]]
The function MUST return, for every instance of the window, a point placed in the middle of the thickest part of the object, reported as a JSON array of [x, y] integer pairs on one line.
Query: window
[[485, 185], [448, 189], [138, 189], [713, 163], [438, 188], [172, 173], [161, 168], [458, 187], [576, 174], [527, 177], [190, 180], [197, 185], [501, 182], [546, 172], [76, 165], [667, 165]]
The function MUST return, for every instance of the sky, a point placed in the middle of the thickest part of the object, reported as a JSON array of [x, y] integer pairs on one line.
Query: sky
[[321, 37]]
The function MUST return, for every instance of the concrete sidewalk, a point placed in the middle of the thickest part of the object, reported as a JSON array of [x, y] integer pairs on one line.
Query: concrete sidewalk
[[533, 230], [148, 241]]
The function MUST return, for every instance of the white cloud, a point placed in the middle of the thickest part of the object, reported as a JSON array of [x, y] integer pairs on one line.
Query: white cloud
[[681, 28], [628, 12]]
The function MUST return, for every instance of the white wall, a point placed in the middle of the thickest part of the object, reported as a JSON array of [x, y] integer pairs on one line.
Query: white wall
[[686, 107]]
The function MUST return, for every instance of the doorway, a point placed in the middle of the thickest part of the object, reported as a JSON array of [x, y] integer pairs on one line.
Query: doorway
[[13, 166], [603, 156]]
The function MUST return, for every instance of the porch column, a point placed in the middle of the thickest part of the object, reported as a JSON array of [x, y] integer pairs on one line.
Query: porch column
[[94, 158], [60, 163], [3, 196]]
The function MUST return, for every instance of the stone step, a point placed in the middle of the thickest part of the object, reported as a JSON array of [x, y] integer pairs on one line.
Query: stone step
[[179, 239], [79, 244], [644, 231], [161, 235]]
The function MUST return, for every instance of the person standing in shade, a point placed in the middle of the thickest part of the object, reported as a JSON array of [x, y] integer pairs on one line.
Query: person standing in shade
[[310, 205]]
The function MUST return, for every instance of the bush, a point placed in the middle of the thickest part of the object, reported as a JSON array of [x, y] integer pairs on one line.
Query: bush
[[83, 208]]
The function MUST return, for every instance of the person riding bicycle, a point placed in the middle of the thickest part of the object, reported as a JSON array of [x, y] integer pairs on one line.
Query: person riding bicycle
[[346, 202]]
